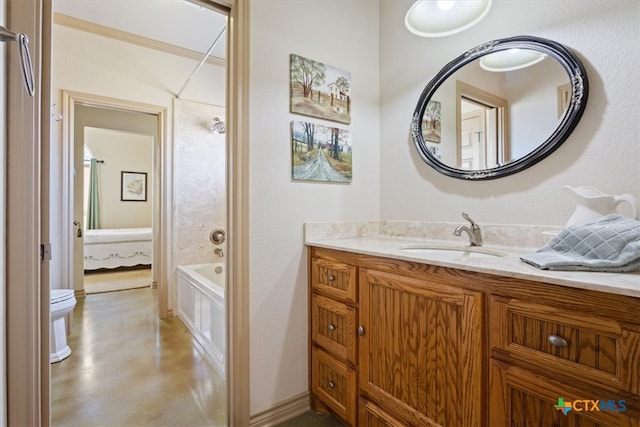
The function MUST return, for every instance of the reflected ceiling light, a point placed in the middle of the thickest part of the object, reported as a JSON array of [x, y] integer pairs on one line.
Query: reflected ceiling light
[[510, 59], [438, 18]]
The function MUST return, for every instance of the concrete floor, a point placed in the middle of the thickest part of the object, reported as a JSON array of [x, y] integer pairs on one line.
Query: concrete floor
[[128, 368]]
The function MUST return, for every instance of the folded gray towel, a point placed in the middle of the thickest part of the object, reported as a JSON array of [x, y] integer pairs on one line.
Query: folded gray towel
[[611, 244]]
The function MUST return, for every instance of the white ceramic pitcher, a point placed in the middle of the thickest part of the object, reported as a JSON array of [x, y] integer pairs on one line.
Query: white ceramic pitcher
[[592, 204]]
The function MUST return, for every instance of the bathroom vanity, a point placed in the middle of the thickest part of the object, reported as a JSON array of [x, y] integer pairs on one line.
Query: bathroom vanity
[[398, 338]]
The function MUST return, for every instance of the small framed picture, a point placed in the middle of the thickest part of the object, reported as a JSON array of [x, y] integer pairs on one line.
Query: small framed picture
[[133, 186]]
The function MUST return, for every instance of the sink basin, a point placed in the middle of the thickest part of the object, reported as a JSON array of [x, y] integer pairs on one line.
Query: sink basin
[[471, 252]]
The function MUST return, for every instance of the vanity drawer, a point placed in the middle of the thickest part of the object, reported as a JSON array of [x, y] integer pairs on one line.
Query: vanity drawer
[[334, 279], [334, 327], [334, 383], [589, 347]]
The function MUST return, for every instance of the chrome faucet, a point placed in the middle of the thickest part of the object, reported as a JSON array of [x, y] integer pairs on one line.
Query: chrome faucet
[[218, 252], [475, 234]]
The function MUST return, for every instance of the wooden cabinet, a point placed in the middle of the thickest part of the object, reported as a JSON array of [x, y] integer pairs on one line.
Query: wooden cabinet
[[395, 343], [332, 331], [590, 347], [518, 397], [589, 358], [421, 351]]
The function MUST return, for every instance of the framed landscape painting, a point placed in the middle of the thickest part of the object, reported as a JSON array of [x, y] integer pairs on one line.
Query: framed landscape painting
[[320, 153], [319, 90], [432, 122]]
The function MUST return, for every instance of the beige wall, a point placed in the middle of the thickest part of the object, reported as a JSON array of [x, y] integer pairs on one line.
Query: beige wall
[[342, 34], [121, 151], [602, 151]]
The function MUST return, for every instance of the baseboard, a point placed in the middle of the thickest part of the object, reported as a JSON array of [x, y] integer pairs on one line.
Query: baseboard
[[79, 293], [281, 412]]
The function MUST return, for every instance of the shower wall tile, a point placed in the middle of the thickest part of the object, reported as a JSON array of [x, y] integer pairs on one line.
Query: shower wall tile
[[199, 182]]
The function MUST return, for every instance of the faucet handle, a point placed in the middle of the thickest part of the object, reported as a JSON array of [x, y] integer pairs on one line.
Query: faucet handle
[[468, 218]]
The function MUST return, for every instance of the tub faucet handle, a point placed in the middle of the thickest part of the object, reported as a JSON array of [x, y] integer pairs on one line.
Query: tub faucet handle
[[217, 237]]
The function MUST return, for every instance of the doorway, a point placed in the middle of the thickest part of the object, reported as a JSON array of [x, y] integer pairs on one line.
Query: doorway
[[113, 149], [28, 279], [482, 128], [144, 83], [86, 111]]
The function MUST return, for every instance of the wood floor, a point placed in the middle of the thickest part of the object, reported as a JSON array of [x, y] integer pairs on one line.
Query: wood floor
[[128, 368]]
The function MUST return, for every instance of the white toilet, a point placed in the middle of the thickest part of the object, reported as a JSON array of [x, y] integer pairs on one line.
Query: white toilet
[[62, 302]]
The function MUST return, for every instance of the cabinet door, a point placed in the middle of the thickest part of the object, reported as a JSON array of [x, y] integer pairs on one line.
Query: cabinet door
[[421, 353], [518, 397]]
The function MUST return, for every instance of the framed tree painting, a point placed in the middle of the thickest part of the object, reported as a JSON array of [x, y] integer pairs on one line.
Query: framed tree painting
[[320, 153], [318, 90]]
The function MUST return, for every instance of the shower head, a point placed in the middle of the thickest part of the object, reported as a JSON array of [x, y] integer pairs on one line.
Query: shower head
[[218, 126]]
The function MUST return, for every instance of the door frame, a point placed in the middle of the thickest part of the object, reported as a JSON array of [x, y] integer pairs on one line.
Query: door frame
[[161, 209], [28, 136]]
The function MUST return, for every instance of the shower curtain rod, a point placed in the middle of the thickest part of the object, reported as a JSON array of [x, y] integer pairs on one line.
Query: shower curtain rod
[[204, 58]]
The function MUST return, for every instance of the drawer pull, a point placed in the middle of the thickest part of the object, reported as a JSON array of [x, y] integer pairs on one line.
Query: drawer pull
[[360, 330], [330, 278], [557, 341], [331, 385], [331, 327]]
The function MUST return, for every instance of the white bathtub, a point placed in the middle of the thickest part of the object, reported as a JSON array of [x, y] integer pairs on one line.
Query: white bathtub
[[201, 306]]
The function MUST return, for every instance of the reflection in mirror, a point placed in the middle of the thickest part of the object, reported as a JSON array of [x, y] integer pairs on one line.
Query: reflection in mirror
[[500, 108]]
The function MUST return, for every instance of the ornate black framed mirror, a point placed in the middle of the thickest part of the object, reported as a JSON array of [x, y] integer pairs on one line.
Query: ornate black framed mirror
[[499, 108]]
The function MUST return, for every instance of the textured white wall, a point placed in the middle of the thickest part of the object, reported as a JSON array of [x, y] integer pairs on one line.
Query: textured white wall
[[200, 186], [342, 34], [602, 151]]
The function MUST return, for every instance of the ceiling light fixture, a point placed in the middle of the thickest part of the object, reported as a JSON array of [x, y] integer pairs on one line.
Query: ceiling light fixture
[[510, 60], [438, 18]]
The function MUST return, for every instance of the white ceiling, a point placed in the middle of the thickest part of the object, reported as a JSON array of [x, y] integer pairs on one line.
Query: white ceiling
[[176, 22]]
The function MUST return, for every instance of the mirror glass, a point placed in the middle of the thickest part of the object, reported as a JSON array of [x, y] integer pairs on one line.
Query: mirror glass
[[499, 108]]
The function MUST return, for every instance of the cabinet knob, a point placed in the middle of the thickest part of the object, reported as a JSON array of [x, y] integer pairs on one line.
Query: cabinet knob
[[331, 385], [331, 327], [331, 278], [557, 341], [360, 330]]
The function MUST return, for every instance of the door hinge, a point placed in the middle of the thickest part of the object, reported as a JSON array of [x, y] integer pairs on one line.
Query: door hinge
[[45, 252]]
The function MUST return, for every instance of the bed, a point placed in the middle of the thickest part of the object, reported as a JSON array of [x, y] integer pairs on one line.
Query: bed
[[117, 247]]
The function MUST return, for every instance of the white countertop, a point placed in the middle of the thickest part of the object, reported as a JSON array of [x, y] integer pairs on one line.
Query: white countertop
[[509, 265]]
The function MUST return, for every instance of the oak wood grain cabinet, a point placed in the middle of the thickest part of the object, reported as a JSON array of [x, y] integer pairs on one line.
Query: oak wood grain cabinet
[[420, 354], [395, 343], [333, 357]]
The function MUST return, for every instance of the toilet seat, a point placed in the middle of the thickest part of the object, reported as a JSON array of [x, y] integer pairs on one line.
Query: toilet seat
[[60, 295]]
